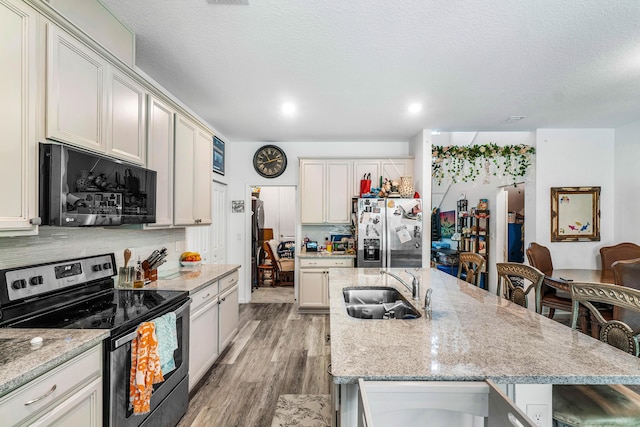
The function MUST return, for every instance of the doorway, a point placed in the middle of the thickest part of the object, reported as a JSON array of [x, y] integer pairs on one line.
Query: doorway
[[275, 220], [513, 240]]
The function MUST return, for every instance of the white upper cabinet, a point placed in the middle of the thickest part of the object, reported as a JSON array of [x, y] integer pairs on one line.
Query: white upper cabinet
[[338, 192], [160, 136], [18, 85], [193, 169], [392, 169], [90, 103], [312, 189], [126, 119], [76, 100], [203, 168], [325, 191]]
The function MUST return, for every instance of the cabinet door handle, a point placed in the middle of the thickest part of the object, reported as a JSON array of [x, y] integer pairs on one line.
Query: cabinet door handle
[[37, 399]]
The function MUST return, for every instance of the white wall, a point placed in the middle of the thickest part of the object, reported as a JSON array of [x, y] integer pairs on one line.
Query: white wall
[[239, 174], [572, 158], [420, 148], [627, 182]]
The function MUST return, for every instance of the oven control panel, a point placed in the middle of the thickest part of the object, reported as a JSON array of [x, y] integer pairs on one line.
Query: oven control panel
[[26, 282]]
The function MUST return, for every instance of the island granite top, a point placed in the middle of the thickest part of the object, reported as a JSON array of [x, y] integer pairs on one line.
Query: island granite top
[[21, 363], [473, 335], [192, 279]]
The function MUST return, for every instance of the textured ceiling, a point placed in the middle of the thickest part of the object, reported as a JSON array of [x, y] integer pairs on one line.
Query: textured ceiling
[[353, 66]]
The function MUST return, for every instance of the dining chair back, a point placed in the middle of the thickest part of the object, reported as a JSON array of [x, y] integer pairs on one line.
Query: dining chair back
[[470, 266], [601, 405], [518, 281], [619, 252], [284, 266], [626, 273], [540, 258]]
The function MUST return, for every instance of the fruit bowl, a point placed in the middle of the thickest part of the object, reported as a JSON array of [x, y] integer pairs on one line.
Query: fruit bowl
[[190, 264]]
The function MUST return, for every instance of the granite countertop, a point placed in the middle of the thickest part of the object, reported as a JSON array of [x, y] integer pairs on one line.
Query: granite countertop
[[324, 255], [21, 363], [192, 279], [472, 336]]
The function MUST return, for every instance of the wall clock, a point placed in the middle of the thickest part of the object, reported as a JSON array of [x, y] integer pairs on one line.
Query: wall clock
[[270, 161]]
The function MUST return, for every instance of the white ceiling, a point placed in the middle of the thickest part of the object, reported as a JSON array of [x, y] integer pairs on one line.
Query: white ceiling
[[353, 66]]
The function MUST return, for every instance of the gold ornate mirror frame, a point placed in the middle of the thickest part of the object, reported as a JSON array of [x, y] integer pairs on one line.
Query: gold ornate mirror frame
[[575, 214]]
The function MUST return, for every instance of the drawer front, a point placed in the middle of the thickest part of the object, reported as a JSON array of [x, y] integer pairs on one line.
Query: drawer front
[[326, 262], [52, 387], [204, 295], [228, 281]]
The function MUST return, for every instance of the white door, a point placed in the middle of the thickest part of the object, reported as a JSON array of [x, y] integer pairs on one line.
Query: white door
[[218, 230], [287, 214]]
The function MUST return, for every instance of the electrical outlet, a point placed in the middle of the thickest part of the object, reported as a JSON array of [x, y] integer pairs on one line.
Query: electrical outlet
[[538, 414]]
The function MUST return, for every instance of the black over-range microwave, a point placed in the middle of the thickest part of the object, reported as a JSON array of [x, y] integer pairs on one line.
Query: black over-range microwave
[[79, 188]]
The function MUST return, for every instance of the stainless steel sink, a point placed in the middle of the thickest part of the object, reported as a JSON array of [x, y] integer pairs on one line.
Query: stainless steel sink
[[377, 302]]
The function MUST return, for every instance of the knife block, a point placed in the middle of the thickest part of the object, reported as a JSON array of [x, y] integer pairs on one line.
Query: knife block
[[152, 275]]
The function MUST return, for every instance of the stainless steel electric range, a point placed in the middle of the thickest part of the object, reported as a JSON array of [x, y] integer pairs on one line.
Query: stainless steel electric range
[[79, 293]]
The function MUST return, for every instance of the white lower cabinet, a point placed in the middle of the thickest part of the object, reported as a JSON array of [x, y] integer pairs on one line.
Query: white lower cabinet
[[69, 395], [213, 324], [314, 282], [229, 315], [203, 347], [435, 403]]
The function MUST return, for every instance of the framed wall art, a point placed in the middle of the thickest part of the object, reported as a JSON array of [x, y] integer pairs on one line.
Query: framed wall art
[[218, 155], [447, 224], [237, 206], [575, 214]]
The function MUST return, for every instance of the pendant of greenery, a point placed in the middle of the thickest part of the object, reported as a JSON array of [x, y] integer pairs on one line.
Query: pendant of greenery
[[466, 163]]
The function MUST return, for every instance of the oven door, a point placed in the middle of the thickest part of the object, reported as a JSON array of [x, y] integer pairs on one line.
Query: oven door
[[170, 398]]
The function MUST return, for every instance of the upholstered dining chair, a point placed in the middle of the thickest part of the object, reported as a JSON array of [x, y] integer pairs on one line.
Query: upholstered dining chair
[[518, 280], [619, 252], [540, 258], [470, 266], [284, 266], [601, 405]]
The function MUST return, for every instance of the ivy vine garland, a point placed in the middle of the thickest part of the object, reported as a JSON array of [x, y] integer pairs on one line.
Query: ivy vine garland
[[466, 163]]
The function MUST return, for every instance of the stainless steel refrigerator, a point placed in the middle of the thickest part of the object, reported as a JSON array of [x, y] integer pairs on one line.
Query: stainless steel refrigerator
[[389, 232]]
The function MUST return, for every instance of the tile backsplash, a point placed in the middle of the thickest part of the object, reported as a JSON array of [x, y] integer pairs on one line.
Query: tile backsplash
[[60, 243]]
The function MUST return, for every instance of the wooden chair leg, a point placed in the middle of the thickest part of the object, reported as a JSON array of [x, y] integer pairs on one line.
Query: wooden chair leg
[[552, 311]]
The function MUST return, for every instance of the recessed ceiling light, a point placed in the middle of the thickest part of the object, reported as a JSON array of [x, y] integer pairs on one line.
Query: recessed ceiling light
[[415, 108], [289, 108]]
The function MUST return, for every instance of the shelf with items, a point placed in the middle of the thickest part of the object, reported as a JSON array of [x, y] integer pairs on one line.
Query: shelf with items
[[474, 237]]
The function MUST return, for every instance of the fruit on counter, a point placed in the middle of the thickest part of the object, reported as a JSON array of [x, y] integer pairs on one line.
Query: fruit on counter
[[190, 256]]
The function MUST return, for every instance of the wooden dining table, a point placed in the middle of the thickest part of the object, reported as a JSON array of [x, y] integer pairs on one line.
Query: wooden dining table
[[561, 279]]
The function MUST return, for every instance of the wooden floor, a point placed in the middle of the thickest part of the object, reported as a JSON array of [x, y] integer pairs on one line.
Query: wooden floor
[[277, 351]]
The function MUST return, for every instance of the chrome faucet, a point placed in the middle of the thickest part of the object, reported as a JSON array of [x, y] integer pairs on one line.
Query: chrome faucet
[[427, 303], [414, 288]]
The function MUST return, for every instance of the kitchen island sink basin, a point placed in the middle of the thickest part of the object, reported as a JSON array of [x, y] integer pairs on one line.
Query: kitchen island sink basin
[[376, 302]]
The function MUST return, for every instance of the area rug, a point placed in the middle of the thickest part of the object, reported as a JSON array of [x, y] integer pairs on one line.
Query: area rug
[[305, 410]]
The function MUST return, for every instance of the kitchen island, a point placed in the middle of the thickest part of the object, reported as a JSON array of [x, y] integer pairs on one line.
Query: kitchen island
[[472, 336]]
